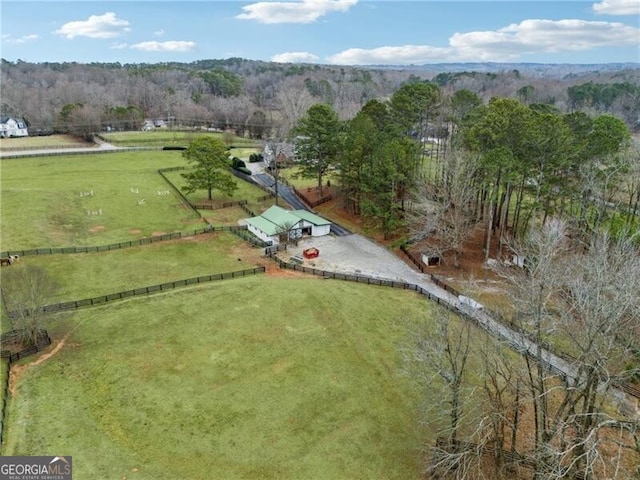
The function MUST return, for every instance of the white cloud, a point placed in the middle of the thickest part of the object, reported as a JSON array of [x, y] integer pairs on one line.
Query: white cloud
[[169, 46], [506, 44], [96, 26], [543, 36], [159, 33], [119, 46], [295, 57], [398, 55], [8, 38], [307, 11], [617, 7]]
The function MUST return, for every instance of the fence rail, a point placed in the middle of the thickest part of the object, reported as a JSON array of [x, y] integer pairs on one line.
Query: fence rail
[[87, 302], [625, 386], [80, 151], [206, 206], [5, 365], [311, 203], [6, 358], [127, 244]]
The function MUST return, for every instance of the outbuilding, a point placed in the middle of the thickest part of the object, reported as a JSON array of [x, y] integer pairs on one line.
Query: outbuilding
[[276, 225]]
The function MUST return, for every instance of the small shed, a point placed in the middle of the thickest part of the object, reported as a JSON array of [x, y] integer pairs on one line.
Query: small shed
[[430, 259]]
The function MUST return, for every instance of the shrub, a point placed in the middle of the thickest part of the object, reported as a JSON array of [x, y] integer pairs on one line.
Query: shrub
[[174, 147], [236, 162], [244, 170]]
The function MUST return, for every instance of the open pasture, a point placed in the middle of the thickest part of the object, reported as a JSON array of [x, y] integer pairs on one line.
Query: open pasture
[[230, 380], [162, 137], [50, 141], [87, 275], [246, 191], [89, 200]]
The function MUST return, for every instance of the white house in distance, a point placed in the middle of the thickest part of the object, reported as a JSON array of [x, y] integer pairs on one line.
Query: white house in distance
[[276, 222], [13, 127]]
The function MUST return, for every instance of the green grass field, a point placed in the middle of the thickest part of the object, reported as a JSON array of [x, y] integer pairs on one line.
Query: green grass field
[[163, 137], [246, 191], [251, 378], [43, 201], [50, 141], [86, 275], [260, 377]]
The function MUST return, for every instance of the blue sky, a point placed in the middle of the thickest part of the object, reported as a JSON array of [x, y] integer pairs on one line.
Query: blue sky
[[343, 32]]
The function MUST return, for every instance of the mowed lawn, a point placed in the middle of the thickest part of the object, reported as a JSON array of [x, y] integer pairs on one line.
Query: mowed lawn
[[87, 275], [89, 200], [253, 378]]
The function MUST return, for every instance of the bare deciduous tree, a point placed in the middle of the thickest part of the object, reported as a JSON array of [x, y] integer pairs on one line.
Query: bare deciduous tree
[[589, 300], [454, 194], [25, 289]]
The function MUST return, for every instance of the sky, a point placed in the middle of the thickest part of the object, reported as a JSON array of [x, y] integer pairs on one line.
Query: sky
[[336, 32]]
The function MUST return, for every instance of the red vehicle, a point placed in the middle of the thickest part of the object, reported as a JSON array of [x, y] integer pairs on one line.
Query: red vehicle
[[312, 252]]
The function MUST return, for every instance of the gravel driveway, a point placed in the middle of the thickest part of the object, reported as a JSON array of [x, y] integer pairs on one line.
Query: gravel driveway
[[356, 254]]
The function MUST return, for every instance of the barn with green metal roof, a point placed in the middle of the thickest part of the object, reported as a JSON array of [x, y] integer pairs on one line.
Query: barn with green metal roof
[[276, 225]]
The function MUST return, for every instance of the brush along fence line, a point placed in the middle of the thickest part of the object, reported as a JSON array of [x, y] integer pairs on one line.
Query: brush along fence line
[[102, 299]]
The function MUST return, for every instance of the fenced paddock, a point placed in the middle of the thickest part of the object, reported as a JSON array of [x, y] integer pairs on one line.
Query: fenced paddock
[[162, 287], [120, 245], [192, 371], [43, 201]]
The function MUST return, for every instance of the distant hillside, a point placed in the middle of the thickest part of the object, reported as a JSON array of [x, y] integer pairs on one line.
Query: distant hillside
[[549, 70]]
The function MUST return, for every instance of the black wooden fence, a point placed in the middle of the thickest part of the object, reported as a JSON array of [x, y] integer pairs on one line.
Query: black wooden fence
[[162, 287], [5, 365], [80, 151], [206, 206], [454, 307], [127, 244], [6, 358], [308, 201]]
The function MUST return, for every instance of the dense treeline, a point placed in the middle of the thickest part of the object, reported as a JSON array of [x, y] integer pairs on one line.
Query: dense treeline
[[505, 164], [242, 94]]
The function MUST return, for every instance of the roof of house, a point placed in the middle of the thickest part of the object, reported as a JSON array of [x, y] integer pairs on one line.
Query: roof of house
[[276, 219], [265, 225], [5, 119], [280, 216], [311, 217]]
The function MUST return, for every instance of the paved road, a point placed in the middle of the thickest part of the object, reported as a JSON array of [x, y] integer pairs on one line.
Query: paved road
[[287, 194]]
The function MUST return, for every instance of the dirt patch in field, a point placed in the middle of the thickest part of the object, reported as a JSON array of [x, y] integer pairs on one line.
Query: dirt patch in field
[[97, 228], [17, 371], [200, 238], [157, 234], [135, 231]]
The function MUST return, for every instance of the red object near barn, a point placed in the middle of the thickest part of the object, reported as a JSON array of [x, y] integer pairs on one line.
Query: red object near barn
[[312, 252]]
